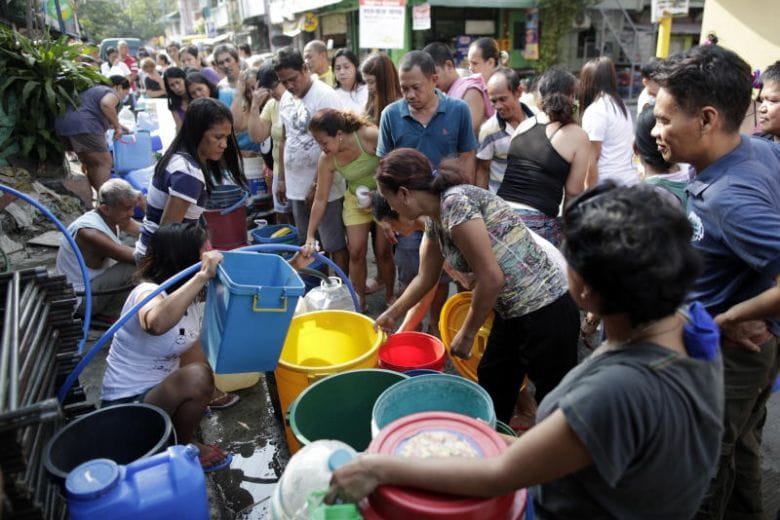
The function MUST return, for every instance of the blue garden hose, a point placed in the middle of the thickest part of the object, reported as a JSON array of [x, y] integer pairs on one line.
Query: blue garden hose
[[79, 257], [100, 343]]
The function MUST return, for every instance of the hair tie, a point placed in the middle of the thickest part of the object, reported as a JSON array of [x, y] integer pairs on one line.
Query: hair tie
[[757, 83]]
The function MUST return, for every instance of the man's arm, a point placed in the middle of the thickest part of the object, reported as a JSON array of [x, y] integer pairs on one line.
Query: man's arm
[[99, 243], [467, 162]]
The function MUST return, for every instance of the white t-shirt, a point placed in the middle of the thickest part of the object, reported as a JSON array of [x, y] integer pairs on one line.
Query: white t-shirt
[[603, 121], [354, 100], [117, 69], [67, 263], [301, 151], [644, 100], [137, 360], [494, 147]]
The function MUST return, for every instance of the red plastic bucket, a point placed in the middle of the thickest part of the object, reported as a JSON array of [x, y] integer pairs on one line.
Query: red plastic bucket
[[227, 231], [402, 503], [412, 350]]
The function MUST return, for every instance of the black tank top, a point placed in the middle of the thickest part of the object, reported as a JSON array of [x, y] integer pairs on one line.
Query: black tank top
[[535, 172]]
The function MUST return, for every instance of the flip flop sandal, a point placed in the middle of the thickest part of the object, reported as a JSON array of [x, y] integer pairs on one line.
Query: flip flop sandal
[[224, 401], [215, 459]]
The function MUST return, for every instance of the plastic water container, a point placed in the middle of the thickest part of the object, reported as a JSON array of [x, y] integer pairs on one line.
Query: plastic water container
[[140, 180], [225, 217], [438, 392], [249, 306], [123, 433], [339, 407], [412, 350], [133, 152], [308, 471], [399, 503], [170, 485], [453, 315], [331, 295], [262, 235], [253, 171]]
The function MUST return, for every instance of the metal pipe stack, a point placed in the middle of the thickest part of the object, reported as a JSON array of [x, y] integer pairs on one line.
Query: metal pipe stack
[[40, 337]]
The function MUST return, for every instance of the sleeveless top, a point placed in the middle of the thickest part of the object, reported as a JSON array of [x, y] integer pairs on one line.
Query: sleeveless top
[[535, 172], [359, 172], [461, 85]]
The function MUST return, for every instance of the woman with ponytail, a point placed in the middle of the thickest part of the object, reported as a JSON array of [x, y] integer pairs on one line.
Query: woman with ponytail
[[548, 158], [348, 144], [536, 321]]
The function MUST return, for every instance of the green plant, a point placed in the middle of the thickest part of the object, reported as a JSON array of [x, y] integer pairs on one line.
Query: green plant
[[40, 80]]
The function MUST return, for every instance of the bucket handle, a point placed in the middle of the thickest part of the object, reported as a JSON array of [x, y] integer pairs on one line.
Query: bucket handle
[[313, 378], [235, 206], [255, 308]]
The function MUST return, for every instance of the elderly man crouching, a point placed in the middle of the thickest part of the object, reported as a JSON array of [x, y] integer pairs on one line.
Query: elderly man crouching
[[110, 263]]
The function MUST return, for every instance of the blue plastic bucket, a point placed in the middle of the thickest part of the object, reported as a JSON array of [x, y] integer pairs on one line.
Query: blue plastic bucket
[[249, 306], [428, 393], [421, 372], [262, 235], [224, 196], [133, 152]]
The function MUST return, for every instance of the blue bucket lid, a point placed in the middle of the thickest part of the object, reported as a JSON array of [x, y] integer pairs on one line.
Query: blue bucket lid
[[92, 479]]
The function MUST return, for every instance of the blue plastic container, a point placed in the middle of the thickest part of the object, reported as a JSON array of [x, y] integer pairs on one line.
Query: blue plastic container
[[133, 152], [169, 485], [262, 235], [421, 372], [249, 306], [433, 392], [140, 179]]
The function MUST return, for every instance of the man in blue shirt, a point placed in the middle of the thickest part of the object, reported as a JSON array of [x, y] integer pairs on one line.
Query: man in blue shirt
[[734, 208], [436, 125], [425, 119]]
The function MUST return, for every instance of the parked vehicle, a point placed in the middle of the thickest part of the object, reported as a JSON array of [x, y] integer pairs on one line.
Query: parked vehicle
[[133, 44]]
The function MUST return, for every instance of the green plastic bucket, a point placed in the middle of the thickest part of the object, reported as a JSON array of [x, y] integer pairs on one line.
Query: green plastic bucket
[[502, 427], [339, 407]]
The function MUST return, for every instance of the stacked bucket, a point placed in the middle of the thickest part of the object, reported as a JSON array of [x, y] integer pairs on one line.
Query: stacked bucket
[[225, 217]]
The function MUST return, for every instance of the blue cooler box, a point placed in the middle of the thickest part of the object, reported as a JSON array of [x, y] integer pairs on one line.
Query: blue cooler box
[[249, 305]]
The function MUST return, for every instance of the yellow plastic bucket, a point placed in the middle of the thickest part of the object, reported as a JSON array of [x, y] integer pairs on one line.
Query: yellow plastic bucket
[[451, 319], [319, 344], [233, 382]]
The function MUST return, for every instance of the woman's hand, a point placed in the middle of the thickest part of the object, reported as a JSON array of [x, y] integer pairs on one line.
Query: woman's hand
[[281, 191], [209, 262], [462, 345], [260, 96], [310, 247], [387, 321], [353, 481], [387, 231]]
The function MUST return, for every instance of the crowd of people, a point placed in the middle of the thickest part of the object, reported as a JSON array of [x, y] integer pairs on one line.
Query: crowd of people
[[538, 206]]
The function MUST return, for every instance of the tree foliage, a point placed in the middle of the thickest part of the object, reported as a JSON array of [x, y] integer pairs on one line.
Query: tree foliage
[[555, 18], [114, 19], [40, 79]]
